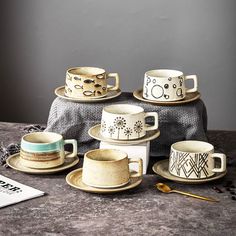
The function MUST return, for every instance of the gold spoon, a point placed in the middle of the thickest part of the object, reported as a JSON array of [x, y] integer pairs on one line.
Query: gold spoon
[[166, 189]]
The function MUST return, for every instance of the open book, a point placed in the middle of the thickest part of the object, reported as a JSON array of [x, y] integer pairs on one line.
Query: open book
[[12, 192]]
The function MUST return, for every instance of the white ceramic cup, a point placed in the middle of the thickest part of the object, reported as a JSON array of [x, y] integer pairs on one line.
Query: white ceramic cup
[[192, 159], [108, 168], [89, 82], [167, 85], [126, 122]]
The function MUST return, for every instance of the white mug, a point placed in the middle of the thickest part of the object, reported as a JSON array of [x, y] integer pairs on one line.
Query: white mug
[[167, 85], [126, 122], [192, 159]]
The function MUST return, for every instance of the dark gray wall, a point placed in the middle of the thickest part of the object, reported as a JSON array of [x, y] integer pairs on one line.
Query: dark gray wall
[[41, 39]]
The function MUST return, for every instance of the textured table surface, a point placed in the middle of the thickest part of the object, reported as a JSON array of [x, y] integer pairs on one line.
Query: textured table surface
[[141, 211]]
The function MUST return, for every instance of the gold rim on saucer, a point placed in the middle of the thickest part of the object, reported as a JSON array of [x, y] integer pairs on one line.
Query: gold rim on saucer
[[94, 132], [60, 92], [190, 97], [74, 179], [161, 169], [15, 163]]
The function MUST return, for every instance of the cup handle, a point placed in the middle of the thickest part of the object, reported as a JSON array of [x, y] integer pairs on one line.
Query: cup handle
[[140, 167], [151, 114], [117, 81], [195, 83], [222, 158], [74, 144]]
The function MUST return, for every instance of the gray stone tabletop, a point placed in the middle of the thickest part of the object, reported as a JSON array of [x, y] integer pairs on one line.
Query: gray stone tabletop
[[140, 211]]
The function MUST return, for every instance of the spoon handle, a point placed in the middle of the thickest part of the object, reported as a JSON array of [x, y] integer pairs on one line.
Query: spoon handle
[[195, 196]]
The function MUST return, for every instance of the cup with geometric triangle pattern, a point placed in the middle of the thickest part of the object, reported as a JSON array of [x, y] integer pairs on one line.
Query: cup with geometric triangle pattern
[[193, 159]]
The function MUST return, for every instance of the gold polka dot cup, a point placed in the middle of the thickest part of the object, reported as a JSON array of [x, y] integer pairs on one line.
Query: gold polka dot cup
[[108, 168], [89, 82], [167, 85], [126, 122]]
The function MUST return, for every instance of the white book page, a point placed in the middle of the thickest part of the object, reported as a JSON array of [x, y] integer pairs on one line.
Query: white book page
[[13, 192]]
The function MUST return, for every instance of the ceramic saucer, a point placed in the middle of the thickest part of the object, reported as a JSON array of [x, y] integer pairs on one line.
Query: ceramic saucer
[[60, 92], [161, 168], [74, 179], [14, 162], [189, 98], [94, 132]]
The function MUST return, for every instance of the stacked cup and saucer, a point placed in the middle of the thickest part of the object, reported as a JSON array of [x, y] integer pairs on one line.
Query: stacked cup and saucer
[[43, 153], [88, 84], [167, 87], [106, 171], [124, 127], [192, 162]]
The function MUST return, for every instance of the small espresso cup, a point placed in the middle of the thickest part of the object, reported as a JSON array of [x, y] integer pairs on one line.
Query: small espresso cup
[[126, 122], [195, 160], [108, 168], [167, 85], [43, 150], [89, 82]]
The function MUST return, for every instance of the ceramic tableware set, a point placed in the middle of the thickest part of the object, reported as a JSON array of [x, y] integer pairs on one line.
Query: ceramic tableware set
[[122, 124], [124, 127], [107, 170]]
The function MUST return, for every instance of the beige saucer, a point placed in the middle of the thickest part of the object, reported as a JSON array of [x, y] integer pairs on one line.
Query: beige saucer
[[94, 132], [74, 179], [161, 168], [60, 92], [14, 162], [189, 98]]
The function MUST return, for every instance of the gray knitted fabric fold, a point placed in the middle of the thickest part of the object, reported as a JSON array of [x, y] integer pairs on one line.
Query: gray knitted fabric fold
[[176, 123]]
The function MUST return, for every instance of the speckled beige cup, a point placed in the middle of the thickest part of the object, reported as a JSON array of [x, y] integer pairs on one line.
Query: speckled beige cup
[[108, 168], [89, 82]]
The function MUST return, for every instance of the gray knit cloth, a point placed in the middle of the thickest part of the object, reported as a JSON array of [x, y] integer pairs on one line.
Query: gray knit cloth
[[176, 123]]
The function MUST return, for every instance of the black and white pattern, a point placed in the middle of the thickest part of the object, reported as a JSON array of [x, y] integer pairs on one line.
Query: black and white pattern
[[179, 92], [148, 80], [88, 86], [181, 80], [111, 130], [128, 131], [157, 91], [119, 124], [103, 126], [194, 165], [77, 86], [138, 127], [76, 78], [164, 90]]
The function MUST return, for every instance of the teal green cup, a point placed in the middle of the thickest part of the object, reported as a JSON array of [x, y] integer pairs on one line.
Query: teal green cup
[[43, 150]]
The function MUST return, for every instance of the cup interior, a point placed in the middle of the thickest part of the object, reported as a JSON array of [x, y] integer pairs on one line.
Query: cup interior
[[42, 137], [85, 71], [192, 146], [106, 155], [123, 109], [164, 73]]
